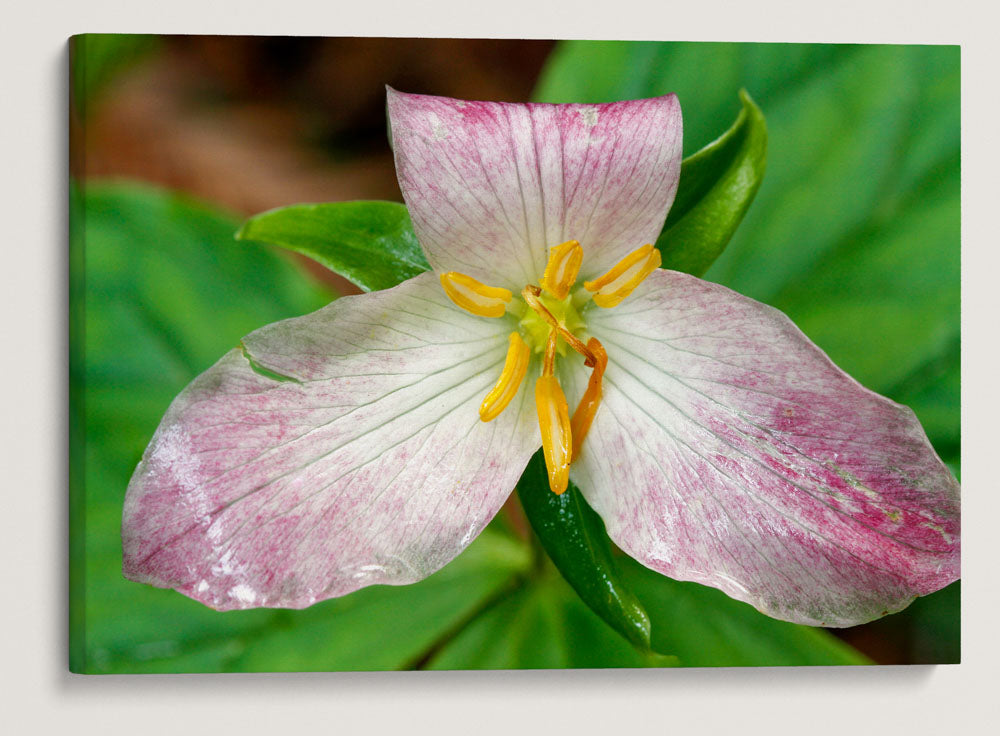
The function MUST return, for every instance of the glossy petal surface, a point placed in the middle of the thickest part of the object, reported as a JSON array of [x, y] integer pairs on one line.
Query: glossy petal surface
[[367, 463], [491, 186], [730, 451]]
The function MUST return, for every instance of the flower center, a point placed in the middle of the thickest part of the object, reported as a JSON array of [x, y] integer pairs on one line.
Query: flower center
[[536, 329], [549, 321]]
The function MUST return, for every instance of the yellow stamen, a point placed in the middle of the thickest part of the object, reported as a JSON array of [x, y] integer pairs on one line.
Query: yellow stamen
[[553, 421], [562, 268], [587, 408], [475, 296], [514, 368], [629, 272], [562, 438]]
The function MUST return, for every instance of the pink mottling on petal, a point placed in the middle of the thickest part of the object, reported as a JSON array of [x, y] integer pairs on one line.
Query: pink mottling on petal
[[730, 451], [490, 186], [370, 467]]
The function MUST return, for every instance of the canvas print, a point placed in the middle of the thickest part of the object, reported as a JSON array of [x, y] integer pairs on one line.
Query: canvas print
[[406, 354]]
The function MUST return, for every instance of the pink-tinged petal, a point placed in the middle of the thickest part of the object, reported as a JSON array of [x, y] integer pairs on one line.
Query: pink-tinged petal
[[371, 466], [730, 451], [490, 186]]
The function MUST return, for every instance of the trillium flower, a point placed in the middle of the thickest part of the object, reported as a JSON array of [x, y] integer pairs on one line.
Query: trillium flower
[[371, 441]]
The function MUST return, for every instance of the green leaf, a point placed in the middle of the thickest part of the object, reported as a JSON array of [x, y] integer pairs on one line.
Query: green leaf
[[388, 627], [866, 258], [716, 187], [705, 76], [77, 435], [543, 624], [573, 536], [369, 243], [704, 627]]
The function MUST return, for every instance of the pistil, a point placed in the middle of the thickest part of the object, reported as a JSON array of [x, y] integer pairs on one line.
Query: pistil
[[562, 438], [531, 295]]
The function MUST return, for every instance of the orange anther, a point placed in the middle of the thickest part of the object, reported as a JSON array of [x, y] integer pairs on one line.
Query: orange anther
[[587, 408]]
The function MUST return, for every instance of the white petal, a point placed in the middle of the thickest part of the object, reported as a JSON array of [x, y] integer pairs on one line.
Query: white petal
[[491, 186], [730, 451], [371, 466]]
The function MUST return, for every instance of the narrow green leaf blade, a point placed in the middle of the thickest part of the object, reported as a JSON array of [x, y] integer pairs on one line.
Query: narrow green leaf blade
[[573, 536], [717, 185], [369, 243]]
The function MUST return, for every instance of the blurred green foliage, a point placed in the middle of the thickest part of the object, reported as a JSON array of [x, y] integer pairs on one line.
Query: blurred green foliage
[[854, 234]]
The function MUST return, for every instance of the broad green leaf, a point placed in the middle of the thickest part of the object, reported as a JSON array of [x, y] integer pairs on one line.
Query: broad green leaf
[[705, 76], [77, 435], [543, 624], [573, 536], [369, 243], [933, 391], [894, 281], [386, 627], [716, 187], [704, 627]]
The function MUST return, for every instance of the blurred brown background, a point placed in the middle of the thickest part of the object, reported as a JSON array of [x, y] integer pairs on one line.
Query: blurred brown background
[[253, 123]]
